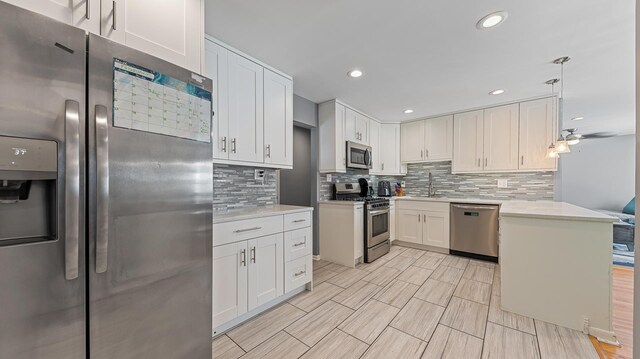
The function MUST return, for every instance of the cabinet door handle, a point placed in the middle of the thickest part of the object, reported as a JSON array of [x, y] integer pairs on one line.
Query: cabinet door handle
[[243, 257], [421, 154], [87, 10], [424, 218], [299, 244], [247, 229], [522, 160], [269, 151], [427, 152], [478, 162], [253, 254], [113, 24], [233, 145], [224, 144], [418, 217], [300, 273], [382, 166], [485, 162]]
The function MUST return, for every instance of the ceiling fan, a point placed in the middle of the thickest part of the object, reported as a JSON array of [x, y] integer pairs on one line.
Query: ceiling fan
[[573, 137]]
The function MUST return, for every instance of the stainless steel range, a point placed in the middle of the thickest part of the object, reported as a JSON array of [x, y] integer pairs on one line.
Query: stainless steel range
[[376, 218]]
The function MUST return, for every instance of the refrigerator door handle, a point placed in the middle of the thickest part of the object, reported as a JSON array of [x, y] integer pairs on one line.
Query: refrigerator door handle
[[72, 188], [102, 188]]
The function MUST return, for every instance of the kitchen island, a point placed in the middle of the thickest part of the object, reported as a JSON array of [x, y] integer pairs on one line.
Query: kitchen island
[[555, 261]]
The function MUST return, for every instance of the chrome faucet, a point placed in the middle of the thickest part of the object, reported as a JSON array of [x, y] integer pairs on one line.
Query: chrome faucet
[[431, 192]]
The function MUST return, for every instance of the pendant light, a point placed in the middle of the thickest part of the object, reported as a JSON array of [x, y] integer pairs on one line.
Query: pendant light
[[551, 151], [562, 146]]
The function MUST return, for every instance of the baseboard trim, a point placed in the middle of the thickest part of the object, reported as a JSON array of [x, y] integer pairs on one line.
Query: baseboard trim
[[420, 246], [605, 336], [223, 328]]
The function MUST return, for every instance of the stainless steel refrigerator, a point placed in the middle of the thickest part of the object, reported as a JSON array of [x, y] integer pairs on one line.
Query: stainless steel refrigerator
[[105, 198]]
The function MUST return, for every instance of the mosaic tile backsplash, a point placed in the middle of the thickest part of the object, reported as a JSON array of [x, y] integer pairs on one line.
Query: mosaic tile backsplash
[[234, 187], [521, 186]]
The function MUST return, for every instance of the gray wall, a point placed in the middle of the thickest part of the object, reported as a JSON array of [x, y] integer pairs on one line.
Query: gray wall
[[599, 173], [305, 112], [295, 184]]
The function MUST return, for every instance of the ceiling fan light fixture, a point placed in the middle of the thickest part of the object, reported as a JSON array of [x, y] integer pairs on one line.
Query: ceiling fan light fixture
[[562, 146], [551, 152]]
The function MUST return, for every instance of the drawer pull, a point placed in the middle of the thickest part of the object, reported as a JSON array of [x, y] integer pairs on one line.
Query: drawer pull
[[300, 273], [299, 220], [243, 258], [299, 244], [247, 229]]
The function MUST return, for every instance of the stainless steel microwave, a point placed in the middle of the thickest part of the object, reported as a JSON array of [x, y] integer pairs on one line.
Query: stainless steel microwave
[[359, 156]]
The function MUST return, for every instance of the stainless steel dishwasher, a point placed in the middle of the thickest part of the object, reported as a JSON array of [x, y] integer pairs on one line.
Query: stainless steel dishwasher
[[474, 230]]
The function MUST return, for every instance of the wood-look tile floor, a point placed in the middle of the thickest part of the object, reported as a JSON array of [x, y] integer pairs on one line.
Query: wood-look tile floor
[[408, 304]]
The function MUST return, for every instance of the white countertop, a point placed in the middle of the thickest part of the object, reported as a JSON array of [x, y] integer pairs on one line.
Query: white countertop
[[551, 210], [449, 200], [257, 212]]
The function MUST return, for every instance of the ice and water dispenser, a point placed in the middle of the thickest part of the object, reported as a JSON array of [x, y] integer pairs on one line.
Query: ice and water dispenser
[[28, 182]]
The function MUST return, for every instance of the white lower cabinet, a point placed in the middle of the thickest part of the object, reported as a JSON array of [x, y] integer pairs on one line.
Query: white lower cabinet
[[424, 223], [230, 276], [256, 261], [265, 269]]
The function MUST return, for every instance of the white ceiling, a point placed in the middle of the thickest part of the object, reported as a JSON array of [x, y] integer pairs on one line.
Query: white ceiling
[[428, 55]]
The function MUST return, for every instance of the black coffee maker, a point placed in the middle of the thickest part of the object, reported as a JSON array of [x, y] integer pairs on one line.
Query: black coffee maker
[[384, 189], [365, 189]]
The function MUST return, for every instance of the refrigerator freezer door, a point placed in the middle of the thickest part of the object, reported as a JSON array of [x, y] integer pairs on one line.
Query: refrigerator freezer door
[[150, 252], [42, 97]]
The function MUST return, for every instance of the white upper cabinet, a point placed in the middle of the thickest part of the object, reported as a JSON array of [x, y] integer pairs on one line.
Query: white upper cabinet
[[252, 123], [389, 153], [510, 138], [427, 140], [468, 150], [171, 30], [438, 138], [356, 127], [412, 140], [332, 137], [537, 131], [501, 138], [217, 69], [278, 119], [246, 110], [84, 14], [374, 142]]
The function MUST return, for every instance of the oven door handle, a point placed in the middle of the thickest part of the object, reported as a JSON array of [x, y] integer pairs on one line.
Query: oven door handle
[[381, 211]]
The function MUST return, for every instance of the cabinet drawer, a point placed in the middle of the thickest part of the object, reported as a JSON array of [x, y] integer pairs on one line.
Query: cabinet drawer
[[297, 220], [230, 232], [432, 206], [298, 272], [298, 243]]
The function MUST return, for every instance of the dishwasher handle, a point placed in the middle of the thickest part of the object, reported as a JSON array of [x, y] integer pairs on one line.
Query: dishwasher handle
[[470, 207]]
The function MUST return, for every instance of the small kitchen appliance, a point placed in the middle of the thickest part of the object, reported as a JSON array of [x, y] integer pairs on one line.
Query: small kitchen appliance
[[384, 189]]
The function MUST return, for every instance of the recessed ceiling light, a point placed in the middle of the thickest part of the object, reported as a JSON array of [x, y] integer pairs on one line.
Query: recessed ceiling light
[[355, 73], [577, 118], [492, 20], [408, 110], [496, 92]]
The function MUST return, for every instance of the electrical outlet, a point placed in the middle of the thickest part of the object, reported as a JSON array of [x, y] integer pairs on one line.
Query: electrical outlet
[[259, 175], [402, 184], [329, 178], [503, 183]]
